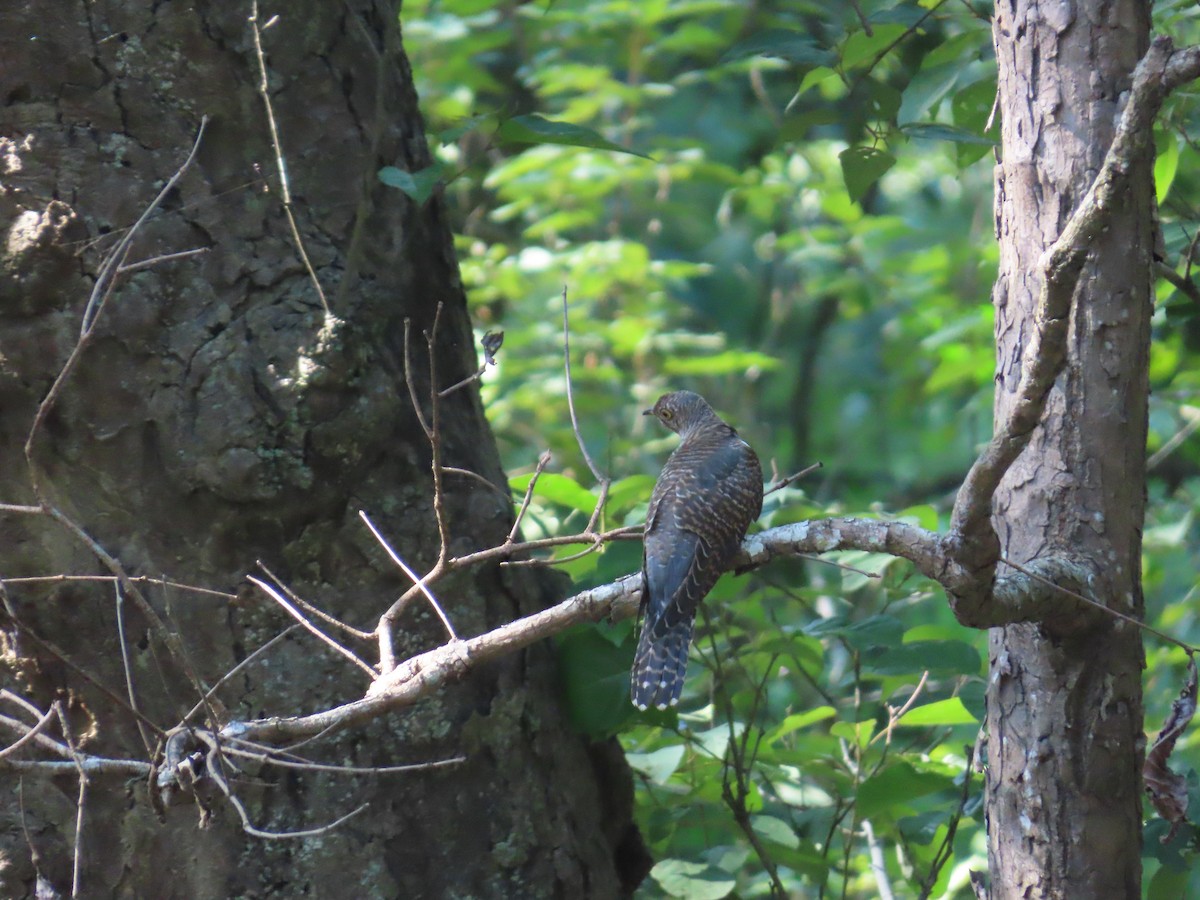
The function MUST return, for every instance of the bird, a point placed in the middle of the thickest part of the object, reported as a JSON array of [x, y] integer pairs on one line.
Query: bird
[[709, 492]]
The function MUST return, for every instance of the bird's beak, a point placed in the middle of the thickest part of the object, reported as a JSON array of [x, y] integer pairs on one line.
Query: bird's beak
[[647, 412]]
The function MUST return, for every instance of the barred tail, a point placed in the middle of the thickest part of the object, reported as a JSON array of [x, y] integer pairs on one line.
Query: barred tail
[[659, 667]]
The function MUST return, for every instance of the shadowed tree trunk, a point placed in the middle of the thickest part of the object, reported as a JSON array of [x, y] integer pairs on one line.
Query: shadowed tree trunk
[[1064, 708], [217, 416]]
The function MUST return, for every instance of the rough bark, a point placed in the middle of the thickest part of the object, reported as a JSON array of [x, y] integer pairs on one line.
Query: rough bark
[[1064, 711], [217, 417]]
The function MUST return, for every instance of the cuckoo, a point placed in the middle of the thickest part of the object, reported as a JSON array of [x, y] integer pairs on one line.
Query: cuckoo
[[709, 492]]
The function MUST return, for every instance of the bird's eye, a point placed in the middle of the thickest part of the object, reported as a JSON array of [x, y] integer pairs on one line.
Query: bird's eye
[[668, 415]]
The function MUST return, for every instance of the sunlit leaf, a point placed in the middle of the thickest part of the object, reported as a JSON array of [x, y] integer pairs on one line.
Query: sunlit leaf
[[691, 880], [657, 765], [775, 830], [557, 488], [942, 712]]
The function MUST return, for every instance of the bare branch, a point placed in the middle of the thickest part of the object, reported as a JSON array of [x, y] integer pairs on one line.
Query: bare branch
[[427, 672], [92, 765], [973, 543]]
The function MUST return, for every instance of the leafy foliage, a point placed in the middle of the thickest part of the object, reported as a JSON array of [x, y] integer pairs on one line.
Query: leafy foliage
[[786, 207]]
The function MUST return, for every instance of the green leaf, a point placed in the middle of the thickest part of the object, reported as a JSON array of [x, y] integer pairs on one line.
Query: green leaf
[[972, 108], [861, 47], [895, 787], [534, 129], [775, 830], [1168, 884], [694, 881], [657, 765], [1166, 163], [796, 721], [943, 712], [927, 88], [558, 489], [939, 658], [595, 678], [626, 493], [794, 46], [858, 733], [862, 167], [873, 631], [419, 185]]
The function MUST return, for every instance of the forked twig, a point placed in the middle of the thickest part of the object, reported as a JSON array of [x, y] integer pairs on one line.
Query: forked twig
[[418, 582], [309, 626], [312, 610]]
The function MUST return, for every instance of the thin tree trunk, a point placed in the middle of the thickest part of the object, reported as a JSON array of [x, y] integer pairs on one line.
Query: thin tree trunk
[[1064, 706], [218, 417]]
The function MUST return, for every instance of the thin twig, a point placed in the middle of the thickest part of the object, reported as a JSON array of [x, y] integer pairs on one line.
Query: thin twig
[[270, 756], [417, 581], [784, 482], [204, 701], [894, 715], [1173, 443], [543, 461], [155, 260], [624, 533], [281, 167], [312, 610], [81, 803], [408, 379], [435, 445], [1096, 604], [42, 740], [214, 771], [24, 510], [29, 735], [570, 394], [310, 627], [120, 602], [130, 579], [467, 473], [113, 263]]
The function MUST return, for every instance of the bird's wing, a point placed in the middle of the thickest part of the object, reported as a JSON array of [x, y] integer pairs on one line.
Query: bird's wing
[[695, 524]]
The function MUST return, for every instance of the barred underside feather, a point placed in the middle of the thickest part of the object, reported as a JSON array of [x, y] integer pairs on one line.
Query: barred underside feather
[[709, 492]]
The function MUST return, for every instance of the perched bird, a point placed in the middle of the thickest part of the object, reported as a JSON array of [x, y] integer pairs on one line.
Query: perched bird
[[709, 492]]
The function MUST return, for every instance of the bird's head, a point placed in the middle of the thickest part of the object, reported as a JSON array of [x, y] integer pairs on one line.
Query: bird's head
[[681, 410]]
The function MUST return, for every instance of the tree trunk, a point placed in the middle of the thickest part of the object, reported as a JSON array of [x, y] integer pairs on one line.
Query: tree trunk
[[217, 417], [1065, 738]]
